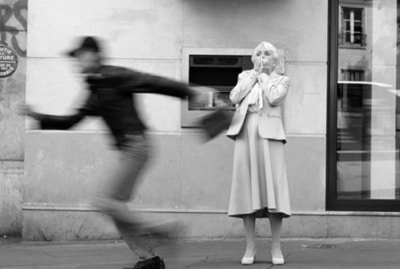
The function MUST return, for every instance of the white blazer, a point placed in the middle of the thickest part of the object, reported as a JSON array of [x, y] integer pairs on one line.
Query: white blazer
[[274, 90]]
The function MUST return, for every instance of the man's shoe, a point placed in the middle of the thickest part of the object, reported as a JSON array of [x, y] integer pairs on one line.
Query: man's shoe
[[153, 263]]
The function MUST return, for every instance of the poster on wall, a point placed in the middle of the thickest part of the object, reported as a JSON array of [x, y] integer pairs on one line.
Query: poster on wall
[[8, 61]]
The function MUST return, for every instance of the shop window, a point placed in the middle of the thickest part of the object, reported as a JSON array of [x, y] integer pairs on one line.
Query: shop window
[[364, 106]]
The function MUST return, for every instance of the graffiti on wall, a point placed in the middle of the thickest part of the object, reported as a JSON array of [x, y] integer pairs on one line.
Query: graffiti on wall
[[9, 15], [8, 61], [13, 30]]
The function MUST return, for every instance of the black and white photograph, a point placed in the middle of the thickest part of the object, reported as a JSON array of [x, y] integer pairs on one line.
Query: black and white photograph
[[199, 134]]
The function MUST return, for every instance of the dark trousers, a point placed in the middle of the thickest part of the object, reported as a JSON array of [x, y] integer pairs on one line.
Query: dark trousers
[[123, 182]]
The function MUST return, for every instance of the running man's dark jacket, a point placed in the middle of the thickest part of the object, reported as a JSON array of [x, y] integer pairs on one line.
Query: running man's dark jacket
[[112, 97]]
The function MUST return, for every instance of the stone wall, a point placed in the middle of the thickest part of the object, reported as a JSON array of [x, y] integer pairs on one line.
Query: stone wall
[[13, 32]]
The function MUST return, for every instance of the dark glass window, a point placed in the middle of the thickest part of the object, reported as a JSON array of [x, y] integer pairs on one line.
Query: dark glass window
[[217, 71]]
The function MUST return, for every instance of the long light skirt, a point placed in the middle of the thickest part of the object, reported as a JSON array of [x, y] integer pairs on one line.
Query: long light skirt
[[259, 184]]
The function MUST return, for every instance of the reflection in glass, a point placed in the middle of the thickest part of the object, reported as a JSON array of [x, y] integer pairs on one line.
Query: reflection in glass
[[368, 100], [219, 72]]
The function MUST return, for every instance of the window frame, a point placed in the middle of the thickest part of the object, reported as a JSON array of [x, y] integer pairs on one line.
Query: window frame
[[343, 32], [189, 117], [353, 72], [332, 203]]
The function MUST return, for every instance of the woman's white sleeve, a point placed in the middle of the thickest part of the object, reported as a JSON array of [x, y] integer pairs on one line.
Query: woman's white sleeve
[[276, 92], [242, 88]]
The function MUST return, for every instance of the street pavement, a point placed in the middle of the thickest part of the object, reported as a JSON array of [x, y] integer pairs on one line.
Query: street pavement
[[299, 253]]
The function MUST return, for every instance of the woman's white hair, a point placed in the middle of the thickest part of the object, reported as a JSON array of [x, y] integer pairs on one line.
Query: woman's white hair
[[269, 47]]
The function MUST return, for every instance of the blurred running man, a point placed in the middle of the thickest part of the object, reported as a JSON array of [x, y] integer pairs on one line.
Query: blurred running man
[[112, 93]]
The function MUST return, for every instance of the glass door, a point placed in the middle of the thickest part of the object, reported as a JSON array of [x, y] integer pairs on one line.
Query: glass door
[[364, 106]]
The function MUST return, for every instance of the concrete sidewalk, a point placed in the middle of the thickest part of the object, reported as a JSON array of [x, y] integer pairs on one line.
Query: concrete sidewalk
[[302, 253]]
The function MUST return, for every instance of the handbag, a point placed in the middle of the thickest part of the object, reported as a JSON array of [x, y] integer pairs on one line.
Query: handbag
[[215, 123]]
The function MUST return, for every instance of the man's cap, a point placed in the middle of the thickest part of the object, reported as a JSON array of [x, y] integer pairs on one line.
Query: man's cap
[[88, 43]]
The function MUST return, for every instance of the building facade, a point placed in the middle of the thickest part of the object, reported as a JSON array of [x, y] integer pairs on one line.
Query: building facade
[[340, 114]]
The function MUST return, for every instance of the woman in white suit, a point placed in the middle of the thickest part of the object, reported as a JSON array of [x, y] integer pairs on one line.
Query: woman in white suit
[[259, 184]]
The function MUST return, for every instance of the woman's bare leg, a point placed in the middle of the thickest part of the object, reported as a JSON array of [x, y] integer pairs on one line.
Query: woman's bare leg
[[249, 222], [276, 228]]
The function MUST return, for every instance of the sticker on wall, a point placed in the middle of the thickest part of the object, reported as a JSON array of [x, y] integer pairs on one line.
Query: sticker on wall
[[8, 61]]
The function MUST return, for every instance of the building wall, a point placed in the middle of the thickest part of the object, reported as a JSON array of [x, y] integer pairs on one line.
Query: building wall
[[13, 29], [186, 179]]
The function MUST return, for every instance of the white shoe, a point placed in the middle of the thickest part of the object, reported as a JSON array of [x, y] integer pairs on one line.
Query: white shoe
[[248, 260], [278, 261]]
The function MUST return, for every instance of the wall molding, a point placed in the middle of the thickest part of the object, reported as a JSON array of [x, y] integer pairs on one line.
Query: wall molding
[[88, 208], [182, 131]]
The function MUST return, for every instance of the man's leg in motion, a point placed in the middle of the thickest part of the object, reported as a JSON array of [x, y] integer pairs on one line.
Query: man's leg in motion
[[123, 183]]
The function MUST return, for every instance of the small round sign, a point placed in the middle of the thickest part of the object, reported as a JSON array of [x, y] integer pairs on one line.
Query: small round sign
[[8, 61]]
